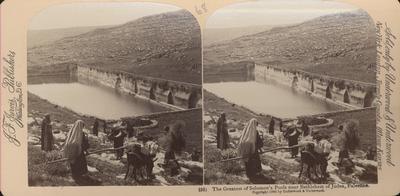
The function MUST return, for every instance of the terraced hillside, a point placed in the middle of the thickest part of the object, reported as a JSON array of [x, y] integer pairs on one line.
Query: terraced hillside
[[165, 45], [340, 45]]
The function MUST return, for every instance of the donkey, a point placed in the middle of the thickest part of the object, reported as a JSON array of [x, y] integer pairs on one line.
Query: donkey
[[309, 159], [136, 166]]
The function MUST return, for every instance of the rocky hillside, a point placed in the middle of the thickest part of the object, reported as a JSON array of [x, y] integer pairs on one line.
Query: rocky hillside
[[341, 45], [165, 45]]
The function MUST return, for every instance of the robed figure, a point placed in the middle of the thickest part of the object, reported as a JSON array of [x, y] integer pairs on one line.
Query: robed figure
[[222, 133], [76, 146], [250, 145], [47, 139]]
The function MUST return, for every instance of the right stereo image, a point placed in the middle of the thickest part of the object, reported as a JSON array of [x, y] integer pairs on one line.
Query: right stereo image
[[289, 94]]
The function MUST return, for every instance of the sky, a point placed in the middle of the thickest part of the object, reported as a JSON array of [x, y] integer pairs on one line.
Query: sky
[[252, 13], [94, 14], [274, 12]]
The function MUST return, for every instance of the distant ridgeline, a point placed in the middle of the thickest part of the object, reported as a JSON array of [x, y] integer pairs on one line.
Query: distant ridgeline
[[178, 95]]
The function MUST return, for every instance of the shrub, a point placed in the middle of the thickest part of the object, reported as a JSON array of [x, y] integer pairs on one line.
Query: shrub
[[229, 153], [46, 174], [232, 167], [212, 154]]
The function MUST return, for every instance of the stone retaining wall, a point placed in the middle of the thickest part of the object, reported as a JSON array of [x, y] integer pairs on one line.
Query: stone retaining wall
[[183, 95], [353, 94]]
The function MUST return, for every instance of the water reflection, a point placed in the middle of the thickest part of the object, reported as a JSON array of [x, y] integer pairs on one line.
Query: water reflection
[[273, 99], [94, 100]]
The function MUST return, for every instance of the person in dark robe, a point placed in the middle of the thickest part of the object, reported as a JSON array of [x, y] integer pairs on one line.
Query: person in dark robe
[[118, 136], [271, 127], [328, 93], [196, 155], [136, 87], [76, 146], [250, 145], [169, 155], [175, 144], [105, 130], [130, 130], [47, 139], [152, 94], [293, 139], [305, 128], [170, 98], [95, 130], [345, 161], [351, 135], [192, 102], [222, 133], [371, 153], [281, 126]]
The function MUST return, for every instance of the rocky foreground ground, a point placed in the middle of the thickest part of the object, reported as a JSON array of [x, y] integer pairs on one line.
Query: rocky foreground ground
[[103, 168]]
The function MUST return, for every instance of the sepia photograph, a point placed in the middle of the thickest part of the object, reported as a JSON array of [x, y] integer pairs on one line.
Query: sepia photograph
[[290, 94], [114, 95]]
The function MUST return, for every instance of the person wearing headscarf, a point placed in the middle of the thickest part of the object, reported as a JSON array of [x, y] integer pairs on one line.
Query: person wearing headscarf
[[76, 145], [170, 98], [95, 130], [249, 147], [271, 128], [222, 133], [47, 139], [293, 139]]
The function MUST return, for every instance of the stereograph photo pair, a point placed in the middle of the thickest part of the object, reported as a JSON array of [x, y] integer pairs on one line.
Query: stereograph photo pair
[[199, 97]]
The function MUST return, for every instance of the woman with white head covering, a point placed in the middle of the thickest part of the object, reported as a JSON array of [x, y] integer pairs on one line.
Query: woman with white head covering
[[75, 147], [250, 144]]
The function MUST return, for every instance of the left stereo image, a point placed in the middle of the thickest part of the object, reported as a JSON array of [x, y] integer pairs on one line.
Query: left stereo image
[[114, 96]]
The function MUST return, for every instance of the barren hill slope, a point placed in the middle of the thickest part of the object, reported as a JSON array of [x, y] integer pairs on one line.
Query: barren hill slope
[[165, 45], [340, 45]]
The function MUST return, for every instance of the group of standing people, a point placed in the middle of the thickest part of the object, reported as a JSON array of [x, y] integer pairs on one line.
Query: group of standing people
[[250, 143], [249, 146], [76, 145]]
